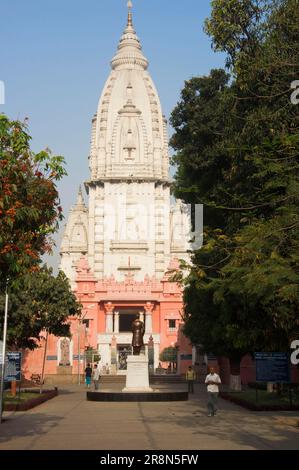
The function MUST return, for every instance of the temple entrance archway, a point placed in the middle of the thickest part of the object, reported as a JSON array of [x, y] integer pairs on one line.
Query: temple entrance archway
[[125, 321], [126, 317]]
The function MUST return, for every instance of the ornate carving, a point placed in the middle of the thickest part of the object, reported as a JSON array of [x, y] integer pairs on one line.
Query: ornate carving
[[129, 279], [149, 307], [64, 352], [82, 266], [109, 307]]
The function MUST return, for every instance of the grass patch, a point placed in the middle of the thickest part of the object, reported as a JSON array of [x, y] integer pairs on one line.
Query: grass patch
[[27, 400], [266, 398], [265, 401], [19, 398]]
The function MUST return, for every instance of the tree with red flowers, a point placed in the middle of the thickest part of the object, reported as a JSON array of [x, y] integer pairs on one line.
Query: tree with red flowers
[[29, 202]]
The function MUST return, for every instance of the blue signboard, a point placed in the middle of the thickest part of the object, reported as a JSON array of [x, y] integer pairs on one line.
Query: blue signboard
[[51, 358], [13, 366], [272, 367], [186, 357]]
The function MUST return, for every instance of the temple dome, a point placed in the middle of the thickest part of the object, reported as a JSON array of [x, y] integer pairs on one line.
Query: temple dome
[[129, 133]]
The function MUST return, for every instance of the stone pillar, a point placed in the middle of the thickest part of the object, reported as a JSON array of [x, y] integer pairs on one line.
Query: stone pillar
[[148, 317], [109, 317], [141, 316], [116, 322], [113, 355], [156, 355], [109, 322], [150, 354]]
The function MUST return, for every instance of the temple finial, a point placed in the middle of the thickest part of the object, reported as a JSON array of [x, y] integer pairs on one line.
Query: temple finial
[[130, 18], [129, 50], [80, 200]]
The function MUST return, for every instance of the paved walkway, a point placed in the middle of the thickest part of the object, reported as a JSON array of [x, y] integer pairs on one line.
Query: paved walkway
[[70, 422]]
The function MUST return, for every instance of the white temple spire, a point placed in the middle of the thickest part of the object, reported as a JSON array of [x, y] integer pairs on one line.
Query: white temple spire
[[129, 164]]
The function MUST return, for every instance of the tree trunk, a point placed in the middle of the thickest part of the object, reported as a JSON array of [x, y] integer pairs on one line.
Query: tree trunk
[[279, 388], [13, 388], [235, 377]]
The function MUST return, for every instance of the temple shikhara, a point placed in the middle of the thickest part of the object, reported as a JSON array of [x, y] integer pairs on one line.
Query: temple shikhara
[[123, 241]]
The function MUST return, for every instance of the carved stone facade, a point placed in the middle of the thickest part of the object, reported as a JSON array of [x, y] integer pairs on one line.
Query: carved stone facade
[[75, 239], [129, 224], [112, 305]]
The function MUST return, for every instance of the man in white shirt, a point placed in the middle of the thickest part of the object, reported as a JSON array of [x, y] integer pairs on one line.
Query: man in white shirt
[[96, 377], [212, 380]]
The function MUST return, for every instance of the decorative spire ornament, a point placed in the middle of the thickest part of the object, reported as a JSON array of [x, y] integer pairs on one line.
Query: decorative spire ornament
[[130, 19], [80, 200], [129, 47]]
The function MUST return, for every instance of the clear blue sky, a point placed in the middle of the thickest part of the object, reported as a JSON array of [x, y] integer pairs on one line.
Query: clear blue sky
[[55, 57]]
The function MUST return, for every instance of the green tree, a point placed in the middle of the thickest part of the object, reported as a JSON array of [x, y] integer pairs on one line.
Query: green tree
[[238, 27], [38, 302], [242, 291], [29, 202], [201, 158], [169, 354]]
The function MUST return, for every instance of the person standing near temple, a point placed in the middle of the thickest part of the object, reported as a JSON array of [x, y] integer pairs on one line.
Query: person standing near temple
[[88, 374], [213, 381], [190, 377], [96, 376]]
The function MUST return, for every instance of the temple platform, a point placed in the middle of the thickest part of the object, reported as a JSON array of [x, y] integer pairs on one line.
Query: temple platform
[[157, 395]]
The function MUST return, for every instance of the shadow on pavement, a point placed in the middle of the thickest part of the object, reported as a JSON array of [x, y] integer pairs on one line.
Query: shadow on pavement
[[27, 425], [232, 424]]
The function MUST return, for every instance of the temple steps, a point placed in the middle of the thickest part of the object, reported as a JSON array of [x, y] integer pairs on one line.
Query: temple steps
[[166, 379], [154, 379], [113, 379]]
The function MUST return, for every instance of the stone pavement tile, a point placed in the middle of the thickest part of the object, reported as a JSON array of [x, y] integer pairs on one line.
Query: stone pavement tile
[[106, 441], [198, 442], [16, 444], [245, 429], [259, 428], [87, 428]]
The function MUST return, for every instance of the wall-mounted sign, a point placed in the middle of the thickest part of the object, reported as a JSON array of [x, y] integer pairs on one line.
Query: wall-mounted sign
[[13, 366], [272, 367], [186, 357]]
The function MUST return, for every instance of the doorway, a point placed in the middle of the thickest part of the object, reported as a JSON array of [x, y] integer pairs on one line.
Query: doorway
[[126, 318]]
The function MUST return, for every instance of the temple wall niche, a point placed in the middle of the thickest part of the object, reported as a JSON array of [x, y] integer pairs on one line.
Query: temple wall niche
[[79, 235], [130, 142]]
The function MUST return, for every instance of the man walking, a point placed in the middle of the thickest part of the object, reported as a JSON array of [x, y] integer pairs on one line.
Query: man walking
[[190, 377], [212, 380], [96, 377]]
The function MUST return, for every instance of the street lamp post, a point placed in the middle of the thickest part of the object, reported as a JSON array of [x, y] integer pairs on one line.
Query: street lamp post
[[79, 349], [79, 352], [44, 362], [3, 351]]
